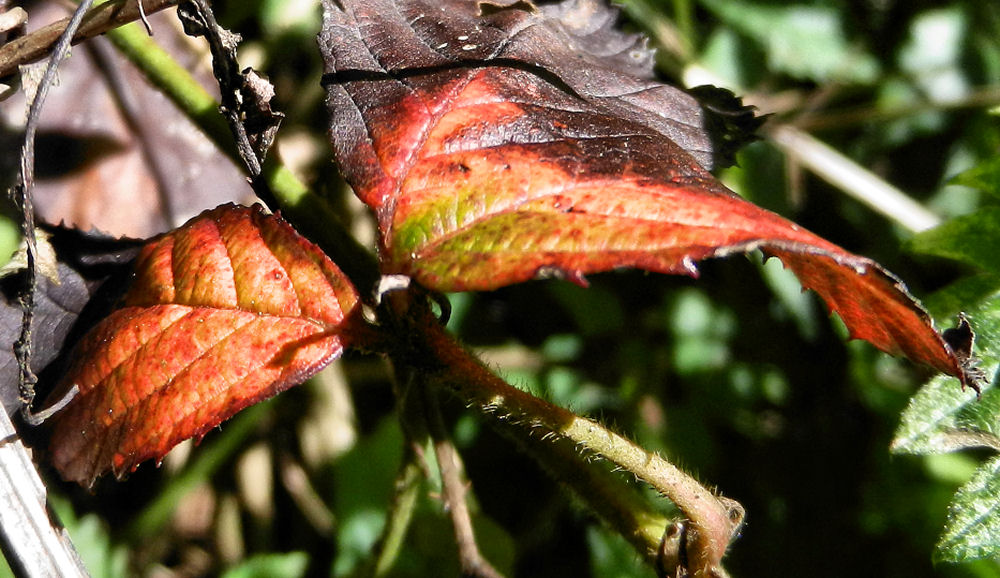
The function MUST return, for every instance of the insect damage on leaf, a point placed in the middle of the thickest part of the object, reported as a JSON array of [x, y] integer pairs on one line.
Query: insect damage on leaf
[[497, 144], [224, 312], [730, 124]]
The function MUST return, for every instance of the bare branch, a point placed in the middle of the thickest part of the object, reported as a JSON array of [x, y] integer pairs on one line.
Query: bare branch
[[21, 195], [245, 95], [40, 43], [455, 490]]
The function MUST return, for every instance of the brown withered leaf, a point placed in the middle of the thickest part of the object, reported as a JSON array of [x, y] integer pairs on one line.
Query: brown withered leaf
[[113, 153], [64, 310]]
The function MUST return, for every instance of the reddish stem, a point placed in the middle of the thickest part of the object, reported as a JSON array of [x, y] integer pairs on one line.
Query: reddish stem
[[444, 363]]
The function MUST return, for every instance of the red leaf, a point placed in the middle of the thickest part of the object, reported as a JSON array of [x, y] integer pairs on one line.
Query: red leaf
[[494, 150], [224, 312]]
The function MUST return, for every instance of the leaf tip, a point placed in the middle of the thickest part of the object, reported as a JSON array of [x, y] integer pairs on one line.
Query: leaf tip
[[960, 341]]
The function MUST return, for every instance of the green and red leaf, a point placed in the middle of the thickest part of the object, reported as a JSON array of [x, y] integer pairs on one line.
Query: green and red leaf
[[224, 312], [499, 142]]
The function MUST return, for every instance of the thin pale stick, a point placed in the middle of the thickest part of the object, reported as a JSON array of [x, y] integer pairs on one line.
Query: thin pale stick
[[32, 544], [853, 179]]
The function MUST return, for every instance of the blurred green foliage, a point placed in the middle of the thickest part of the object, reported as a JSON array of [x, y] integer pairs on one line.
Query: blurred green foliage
[[738, 376]]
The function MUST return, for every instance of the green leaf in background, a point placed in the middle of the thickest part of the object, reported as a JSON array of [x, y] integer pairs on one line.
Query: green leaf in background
[[985, 177], [10, 238], [957, 296], [364, 478], [806, 42], [942, 418], [973, 527], [727, 55], [102, 558], [932, 55], [285, 565], [973, 239], [289, 16], [929, 69]]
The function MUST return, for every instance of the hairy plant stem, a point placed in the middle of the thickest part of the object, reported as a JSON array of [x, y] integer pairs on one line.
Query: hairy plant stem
[[444, 364], [422, 423], [308, 211]]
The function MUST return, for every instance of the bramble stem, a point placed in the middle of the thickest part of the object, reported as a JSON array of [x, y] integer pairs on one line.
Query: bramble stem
[[445, 364]]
